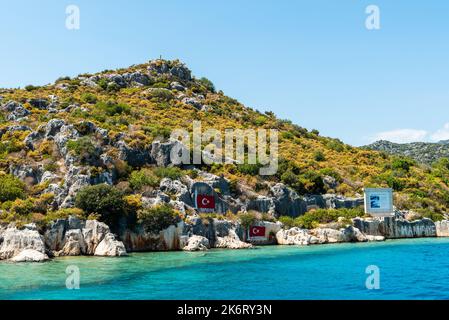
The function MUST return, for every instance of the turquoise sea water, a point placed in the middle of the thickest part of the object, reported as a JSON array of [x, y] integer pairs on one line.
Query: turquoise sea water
[[409, 269]]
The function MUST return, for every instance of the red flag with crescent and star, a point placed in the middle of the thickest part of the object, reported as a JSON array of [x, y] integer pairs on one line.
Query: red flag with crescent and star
[[257, 231], [205, 202]]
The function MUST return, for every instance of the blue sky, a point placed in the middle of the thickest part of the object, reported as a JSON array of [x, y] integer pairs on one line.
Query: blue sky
[[313, 62]]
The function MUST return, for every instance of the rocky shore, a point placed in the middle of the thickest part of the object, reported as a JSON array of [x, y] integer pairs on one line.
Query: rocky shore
[[74, 237]]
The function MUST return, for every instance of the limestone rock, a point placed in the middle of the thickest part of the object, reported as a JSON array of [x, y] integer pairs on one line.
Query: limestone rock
[[93, 233], [110, 247], [287, 202], [295, 236], [375, 238], [30, 255], [197, 243], [442, 228], [74, 244], [231, 241], [15, 241]]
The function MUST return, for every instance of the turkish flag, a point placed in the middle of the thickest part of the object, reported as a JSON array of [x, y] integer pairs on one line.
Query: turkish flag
[[257, 232], [205, 202]]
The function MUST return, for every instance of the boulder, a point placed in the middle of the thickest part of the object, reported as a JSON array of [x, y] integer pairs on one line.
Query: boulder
[[16, 240], [39, 103], [181, 71], [93, 233], [168, 153], [16, 111], [231, 241], [110, 247], [27, 172], [197, 243], [192, 102], [74, 244], [296, 236], [54, 235], [30, 255], [375, 238], [137, 79], [135, 157]]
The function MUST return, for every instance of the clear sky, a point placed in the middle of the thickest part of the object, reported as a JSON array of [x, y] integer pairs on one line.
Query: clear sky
[[313, 62]]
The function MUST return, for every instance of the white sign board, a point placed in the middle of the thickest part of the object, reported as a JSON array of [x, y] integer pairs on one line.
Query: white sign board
[[379, 202]]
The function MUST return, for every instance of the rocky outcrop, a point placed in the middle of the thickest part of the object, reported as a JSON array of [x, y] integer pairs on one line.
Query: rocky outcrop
[[231, 241], [296, 236], [442, 228], [287, 202], [30, 255], [303, 237], [73, 237], [16, 240], [138, 240], [348, 234], [15, 110], [110, 247], [197, 243]]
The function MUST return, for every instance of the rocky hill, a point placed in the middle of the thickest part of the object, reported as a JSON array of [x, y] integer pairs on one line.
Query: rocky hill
[[95, 150], [422, 152]]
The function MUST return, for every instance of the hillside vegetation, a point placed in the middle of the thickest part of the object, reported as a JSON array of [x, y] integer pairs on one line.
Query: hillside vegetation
[[422, 152], [142, 104]]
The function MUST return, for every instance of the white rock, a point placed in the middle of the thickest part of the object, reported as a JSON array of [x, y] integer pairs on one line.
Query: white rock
[[375, 238], [110, 247], [93, 233], [30, 255], [197, 243], [231, 241], [15, 241], [442, 228], [74, 244], [296, 236]]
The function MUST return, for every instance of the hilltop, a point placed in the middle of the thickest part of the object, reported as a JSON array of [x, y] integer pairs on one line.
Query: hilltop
[[113, 128], [422, 152]]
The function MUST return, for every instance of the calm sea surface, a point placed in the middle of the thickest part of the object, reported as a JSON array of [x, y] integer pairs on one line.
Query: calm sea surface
[[409, 269]]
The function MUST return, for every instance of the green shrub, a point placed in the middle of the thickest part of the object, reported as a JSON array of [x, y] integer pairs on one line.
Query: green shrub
[[89, 98], [11, 188], [247, 219], [31, 87], [173, 173], [143, 178], [207, 84], [104, 200], [287, 221], [83, 148], [158, 218], [111, 108], [402, 164], [157, 131], [312, 219], [319, 156], [249, 169]]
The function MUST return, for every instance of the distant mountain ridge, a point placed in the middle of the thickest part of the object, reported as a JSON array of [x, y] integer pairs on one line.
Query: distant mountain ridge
[[423, 152]]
